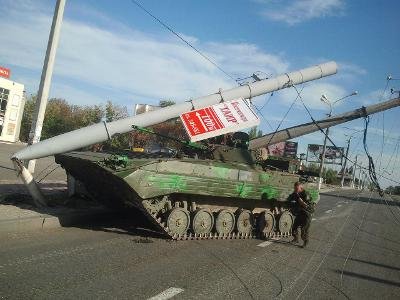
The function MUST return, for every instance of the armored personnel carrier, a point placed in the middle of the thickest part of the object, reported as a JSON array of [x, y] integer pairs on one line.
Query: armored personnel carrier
[[217, 191], [212, 191]]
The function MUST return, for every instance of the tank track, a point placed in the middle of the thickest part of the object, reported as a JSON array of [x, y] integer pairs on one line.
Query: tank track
[[161, 225]]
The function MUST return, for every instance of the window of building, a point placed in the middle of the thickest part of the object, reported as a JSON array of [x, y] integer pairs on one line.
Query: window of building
[[4, 93]]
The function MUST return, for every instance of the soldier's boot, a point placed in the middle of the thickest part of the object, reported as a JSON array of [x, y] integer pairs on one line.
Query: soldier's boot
[[295, 240], [305, 244]]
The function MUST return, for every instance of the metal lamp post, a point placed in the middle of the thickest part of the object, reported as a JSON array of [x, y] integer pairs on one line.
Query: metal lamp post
[[347, 154], [330, 104]]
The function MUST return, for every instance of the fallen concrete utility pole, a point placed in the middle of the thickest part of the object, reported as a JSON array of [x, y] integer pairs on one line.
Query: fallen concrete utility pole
[[299, 130], [103, 131]]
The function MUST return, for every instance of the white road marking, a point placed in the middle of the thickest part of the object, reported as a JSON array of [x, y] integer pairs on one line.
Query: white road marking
[[267, 243], [328, 211], [339, 205], [314, 219], [167, 294]]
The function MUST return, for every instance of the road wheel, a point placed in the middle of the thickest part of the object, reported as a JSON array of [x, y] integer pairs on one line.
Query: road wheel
[[178, 221], [225, 222], [244, 222], [202, 221], [265, 223], [285, 222]]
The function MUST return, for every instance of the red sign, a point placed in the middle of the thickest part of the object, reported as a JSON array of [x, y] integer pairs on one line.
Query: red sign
[[219, 119], [4, 72]]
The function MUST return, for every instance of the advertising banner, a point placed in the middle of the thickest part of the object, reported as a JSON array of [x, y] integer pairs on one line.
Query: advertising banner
[[333, 155], [219, 119], [4, 72], [283, 149]]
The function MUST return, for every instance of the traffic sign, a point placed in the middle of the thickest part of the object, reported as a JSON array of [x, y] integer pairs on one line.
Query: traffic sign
[[219, 119]]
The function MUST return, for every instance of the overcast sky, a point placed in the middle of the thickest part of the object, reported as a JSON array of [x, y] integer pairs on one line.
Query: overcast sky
[[112, 50]]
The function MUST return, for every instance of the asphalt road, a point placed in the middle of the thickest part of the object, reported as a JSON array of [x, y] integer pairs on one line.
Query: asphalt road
[[354, 254]]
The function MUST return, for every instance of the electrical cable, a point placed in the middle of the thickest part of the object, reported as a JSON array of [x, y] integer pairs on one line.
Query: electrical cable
[[354, 240], [264, 118], [330, 140], [169, 28], [259, 110], [396, 161], [371, 164], [47, 174], [41, 172], [267, 101], [391, 156], [284, 117], [383, 122]]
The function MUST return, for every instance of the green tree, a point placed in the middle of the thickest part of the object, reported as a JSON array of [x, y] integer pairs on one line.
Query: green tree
[[27, 116], [330, 176], [254, 133], [115, 112], [61, 117]]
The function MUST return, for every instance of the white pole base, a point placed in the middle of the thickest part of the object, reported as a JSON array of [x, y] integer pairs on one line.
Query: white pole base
[[30, 184]]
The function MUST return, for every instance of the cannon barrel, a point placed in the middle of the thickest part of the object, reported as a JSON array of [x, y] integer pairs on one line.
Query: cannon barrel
[[103, 131], [299, 130]]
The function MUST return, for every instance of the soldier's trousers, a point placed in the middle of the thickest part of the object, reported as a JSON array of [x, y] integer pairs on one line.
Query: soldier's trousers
[[303, 220]]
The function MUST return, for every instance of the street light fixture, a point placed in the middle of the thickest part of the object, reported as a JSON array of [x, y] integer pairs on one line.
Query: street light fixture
[[326, 100]]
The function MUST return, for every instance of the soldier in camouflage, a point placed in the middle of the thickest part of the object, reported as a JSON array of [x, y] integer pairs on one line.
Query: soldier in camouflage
[[302, 208]]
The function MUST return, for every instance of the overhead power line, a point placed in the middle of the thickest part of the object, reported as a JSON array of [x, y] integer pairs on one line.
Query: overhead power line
[[284, 117], [336, 147], [170, 29], [383, 121]]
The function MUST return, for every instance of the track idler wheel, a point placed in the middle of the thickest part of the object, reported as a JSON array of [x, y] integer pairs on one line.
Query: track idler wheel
[[265, 223], [178, 221], [244, 222], [285, 223], [224, 222], [202, 222]]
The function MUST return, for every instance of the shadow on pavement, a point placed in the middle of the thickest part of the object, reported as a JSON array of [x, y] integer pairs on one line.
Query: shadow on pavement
[[374, 200], [81, 213], [369, 278], [124, 224]]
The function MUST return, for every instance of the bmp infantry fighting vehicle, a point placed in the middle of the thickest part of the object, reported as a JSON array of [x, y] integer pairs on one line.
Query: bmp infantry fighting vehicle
[[212, 191], [216, 189]]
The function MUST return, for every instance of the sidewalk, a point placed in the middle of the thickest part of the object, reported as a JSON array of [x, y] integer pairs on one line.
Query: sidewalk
[[19, 214]]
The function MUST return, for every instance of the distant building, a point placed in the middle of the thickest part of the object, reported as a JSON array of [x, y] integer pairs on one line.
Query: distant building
[[144, 108], [12, 104]]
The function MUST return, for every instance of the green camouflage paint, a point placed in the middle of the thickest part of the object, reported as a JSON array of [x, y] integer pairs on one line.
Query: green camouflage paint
[[270, 191], [243, 190], [264, 177], [174, 182]]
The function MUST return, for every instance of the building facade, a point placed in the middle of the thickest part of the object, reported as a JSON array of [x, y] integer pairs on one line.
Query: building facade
[[12, 102]]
